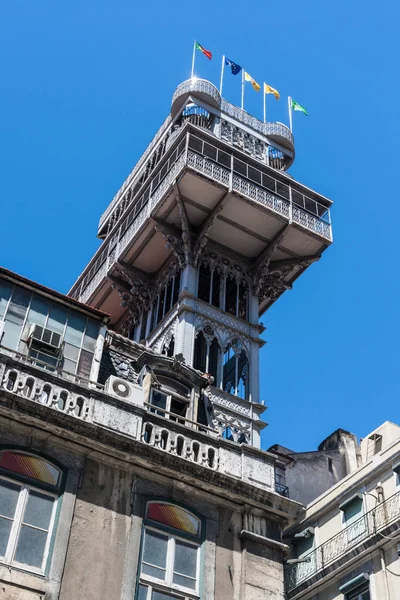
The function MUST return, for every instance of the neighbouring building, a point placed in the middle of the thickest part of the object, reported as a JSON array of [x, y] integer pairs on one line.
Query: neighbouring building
[[347, 544], [130, 412]]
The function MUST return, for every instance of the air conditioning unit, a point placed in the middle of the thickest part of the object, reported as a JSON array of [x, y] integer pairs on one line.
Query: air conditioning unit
[[41, 337], [125, 390]]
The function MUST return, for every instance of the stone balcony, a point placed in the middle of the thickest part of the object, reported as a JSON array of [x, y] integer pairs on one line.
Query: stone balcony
[[350, 543], [73, 404]]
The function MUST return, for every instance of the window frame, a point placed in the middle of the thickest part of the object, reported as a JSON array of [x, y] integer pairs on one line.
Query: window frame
[[170, 560], [171, 395], [169, 587], [27, 484], [51, 305]]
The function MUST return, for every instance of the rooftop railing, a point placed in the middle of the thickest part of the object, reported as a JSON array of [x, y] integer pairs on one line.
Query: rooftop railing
[[377, 519]]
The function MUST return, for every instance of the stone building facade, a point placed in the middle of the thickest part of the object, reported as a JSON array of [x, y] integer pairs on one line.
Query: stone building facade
[[130, 411], [347, 544]]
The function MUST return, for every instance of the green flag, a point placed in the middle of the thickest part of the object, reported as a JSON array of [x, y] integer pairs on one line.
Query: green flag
[[297, 106]]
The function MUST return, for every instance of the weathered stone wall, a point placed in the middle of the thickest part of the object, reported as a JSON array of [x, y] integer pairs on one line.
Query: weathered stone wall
[[99, 534]]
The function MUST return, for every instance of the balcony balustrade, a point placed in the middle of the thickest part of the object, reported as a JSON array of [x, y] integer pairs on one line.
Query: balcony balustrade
[[88, 402], [284, 199], [383, 515]]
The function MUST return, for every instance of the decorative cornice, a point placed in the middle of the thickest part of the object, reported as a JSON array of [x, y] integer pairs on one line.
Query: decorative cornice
[[175, 366]]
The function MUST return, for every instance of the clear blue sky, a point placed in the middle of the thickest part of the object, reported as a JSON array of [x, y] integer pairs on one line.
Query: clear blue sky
[[85, 85]]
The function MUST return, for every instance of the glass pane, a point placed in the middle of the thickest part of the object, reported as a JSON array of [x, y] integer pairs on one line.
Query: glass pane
[[185, 559], [153, 571], [5, 293], [8, 498], [155, 549], [353, 511], [161, 596], [173, 516], [30, 547], [159, 399], [69, 365], [75, 328], [71, 352], [5, 528], [29, 466], [142, 592], [38, 510], [38, 311], [57, 319], [92, 331], [12, 333], [185, 581], [85, 363], [18, 305]]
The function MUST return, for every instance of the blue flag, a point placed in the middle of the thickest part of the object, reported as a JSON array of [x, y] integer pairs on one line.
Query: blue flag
[[235, 69]]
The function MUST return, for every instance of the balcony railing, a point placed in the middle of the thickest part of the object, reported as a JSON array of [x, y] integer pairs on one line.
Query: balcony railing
[[380, 517], [89, 403], [281, 489], [284, 199]]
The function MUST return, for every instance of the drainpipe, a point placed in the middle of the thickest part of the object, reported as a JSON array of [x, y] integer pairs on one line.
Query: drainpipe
[[385, 575]]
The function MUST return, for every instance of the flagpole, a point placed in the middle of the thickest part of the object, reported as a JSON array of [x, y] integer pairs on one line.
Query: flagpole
[[242, 105], [222, 74], [290, 113], [194, 54], [265, 103]]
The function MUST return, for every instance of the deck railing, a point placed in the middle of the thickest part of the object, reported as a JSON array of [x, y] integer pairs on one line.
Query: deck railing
[[223, 168], [375, 520]]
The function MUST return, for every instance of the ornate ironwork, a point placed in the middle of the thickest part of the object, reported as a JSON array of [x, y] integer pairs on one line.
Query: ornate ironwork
[[273, 129], [372, 522], [194, 85], [224, 177]]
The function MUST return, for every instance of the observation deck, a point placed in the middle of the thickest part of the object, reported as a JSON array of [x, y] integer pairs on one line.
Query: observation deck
[[212, 170]]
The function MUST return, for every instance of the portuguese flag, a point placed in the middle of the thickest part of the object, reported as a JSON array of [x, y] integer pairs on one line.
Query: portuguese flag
[[203, 50]]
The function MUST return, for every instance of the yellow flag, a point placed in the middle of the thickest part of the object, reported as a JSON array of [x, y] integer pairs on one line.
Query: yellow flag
[[270, 90], [253, 82]]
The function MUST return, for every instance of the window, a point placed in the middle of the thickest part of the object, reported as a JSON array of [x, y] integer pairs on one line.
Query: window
[[235, 371], [361, 593], [353, 519], [171, 401], [223, 292], [20, 309], [29, 488], [396, 471], [357, 588], [163, 303], [207, 353], [209, 285], [170, 559], [374, 445]]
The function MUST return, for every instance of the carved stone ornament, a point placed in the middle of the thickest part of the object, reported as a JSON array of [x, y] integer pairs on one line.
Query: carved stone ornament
[[178, 362]]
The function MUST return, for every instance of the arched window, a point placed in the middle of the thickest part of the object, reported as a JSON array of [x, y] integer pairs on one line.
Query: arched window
[[207, 353], [236, 370], [170, 559], [209, 285], [29, 489]]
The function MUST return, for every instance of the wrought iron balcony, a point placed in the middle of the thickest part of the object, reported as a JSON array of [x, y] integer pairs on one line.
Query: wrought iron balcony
[[289, 200], [379, 518]]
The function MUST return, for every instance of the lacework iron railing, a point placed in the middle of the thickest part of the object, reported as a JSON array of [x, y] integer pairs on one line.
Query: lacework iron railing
[[372, 522], [134, 171], [283, 200]]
